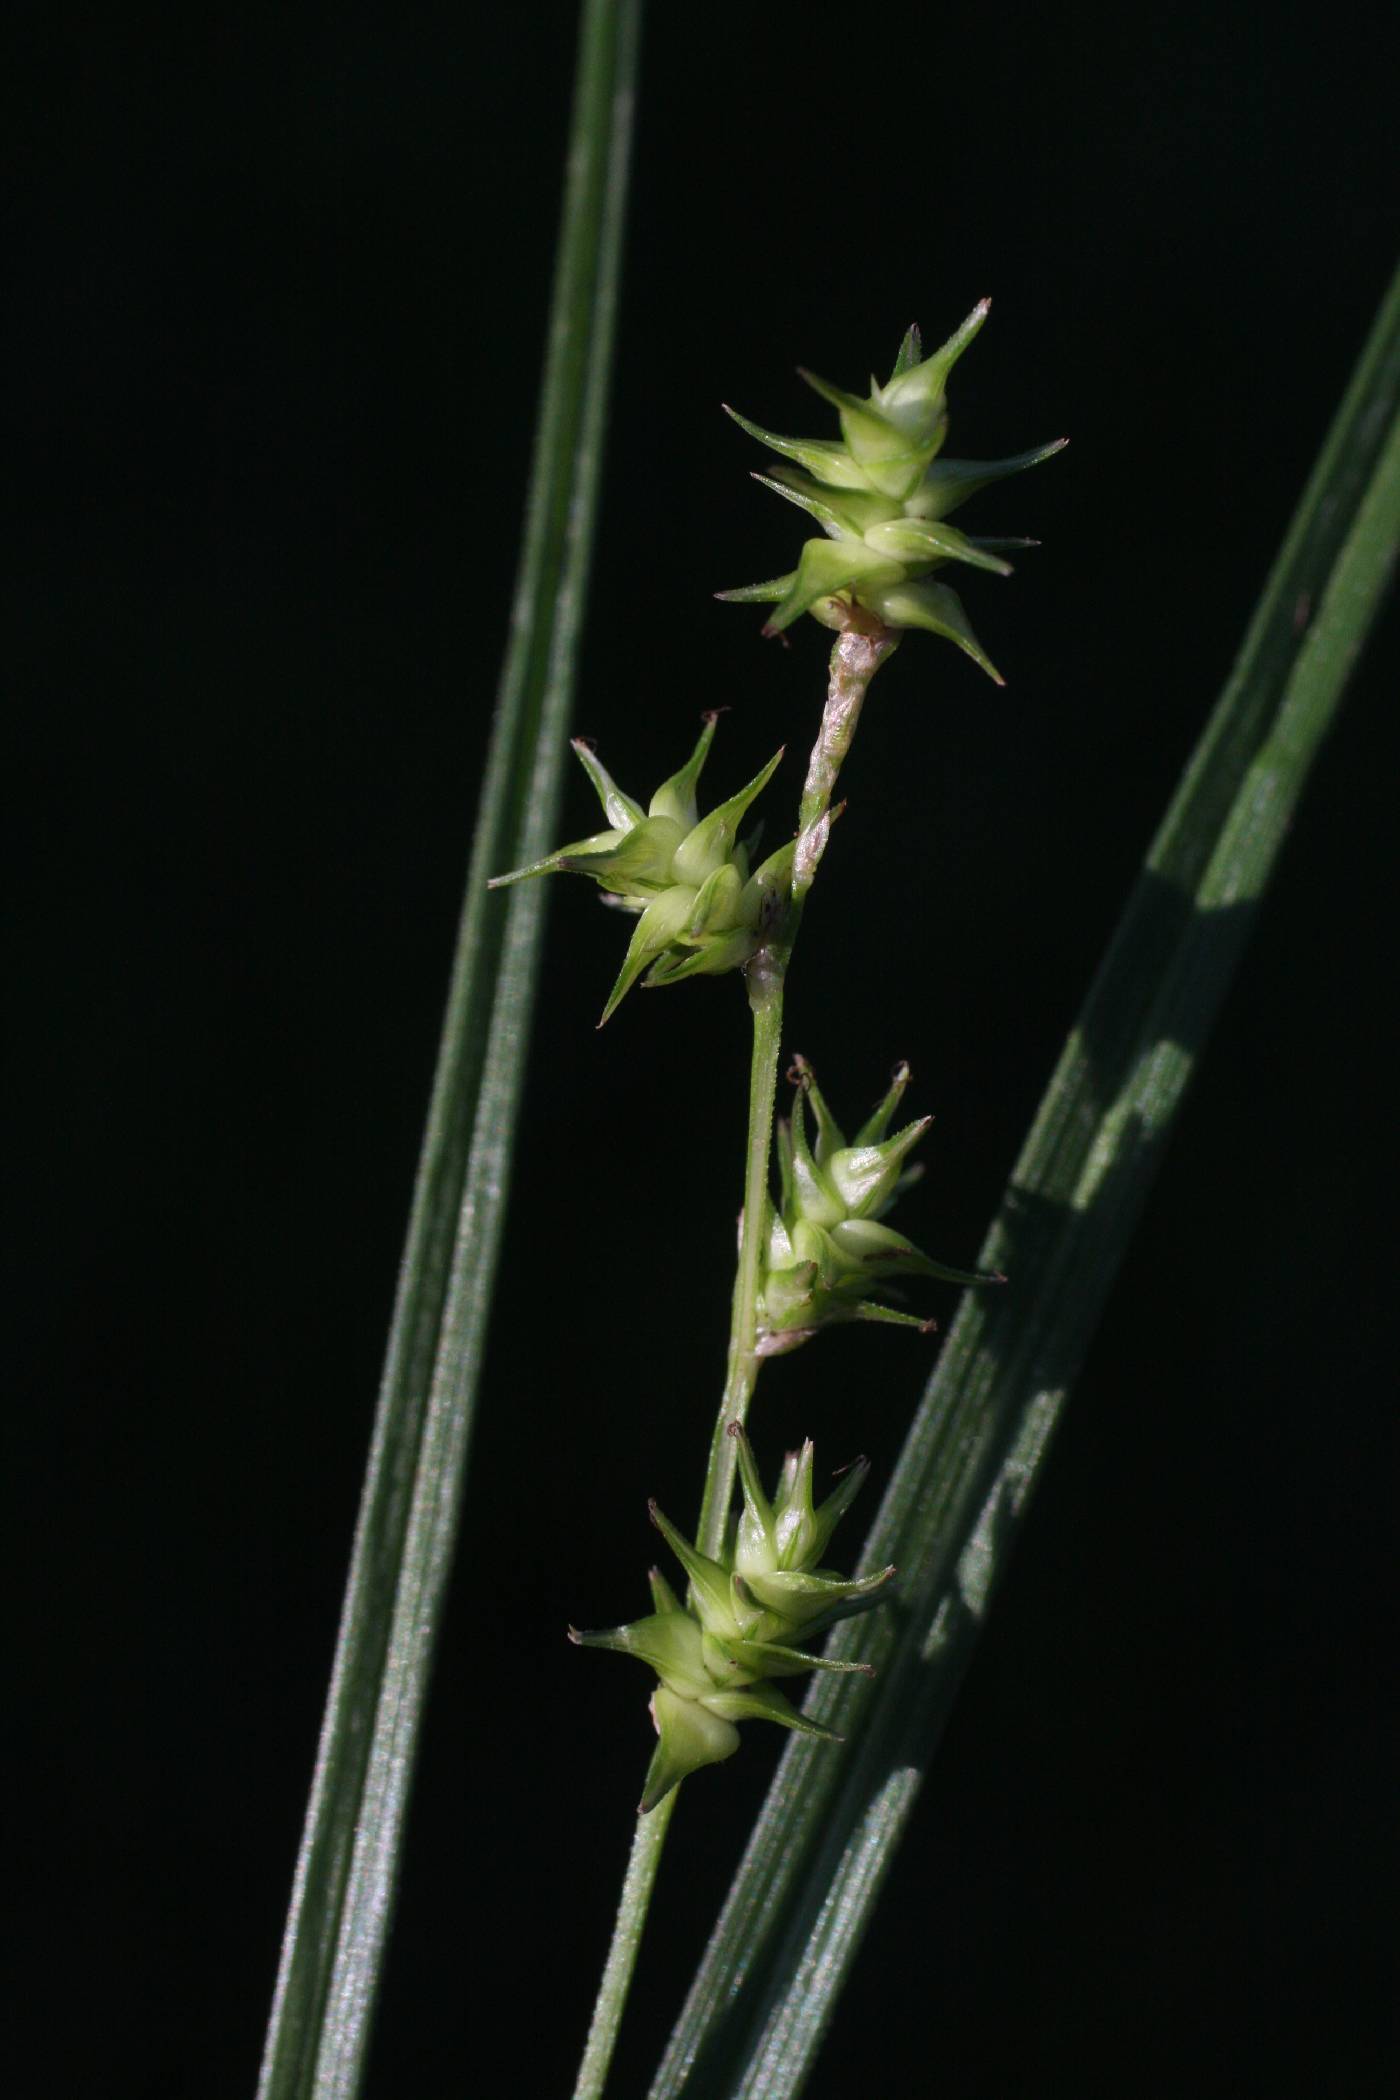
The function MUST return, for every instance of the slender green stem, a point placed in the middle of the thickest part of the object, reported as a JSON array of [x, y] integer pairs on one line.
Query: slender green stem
[[856, 656], [766, 976], [855, 659], [647, 1841], [765, 984]]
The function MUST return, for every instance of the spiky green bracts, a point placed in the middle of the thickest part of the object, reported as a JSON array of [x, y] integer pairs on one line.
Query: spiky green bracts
[[826, 1252], [701, 911], [882, 497], [715, 1655]]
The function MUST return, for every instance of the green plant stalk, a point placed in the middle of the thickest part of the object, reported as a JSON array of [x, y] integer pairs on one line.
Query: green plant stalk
[[855, 658], [819, 1853], [343, 1888], [766, 978], [648, 1839]]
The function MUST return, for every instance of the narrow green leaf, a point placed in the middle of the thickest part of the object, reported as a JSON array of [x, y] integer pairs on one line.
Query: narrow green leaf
[[819, 1853], [343, 1890]]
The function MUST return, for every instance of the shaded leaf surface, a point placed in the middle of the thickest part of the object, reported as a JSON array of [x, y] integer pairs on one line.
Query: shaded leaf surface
[[342, 1895]]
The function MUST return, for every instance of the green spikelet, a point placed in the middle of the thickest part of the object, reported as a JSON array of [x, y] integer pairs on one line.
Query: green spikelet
[[882, 496]]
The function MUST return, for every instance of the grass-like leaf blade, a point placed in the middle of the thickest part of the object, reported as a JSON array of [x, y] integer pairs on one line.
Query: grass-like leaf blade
[[816, 1861], [342, 1895]]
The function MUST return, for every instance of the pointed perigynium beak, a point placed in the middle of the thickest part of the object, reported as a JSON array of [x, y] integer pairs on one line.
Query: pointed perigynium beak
[[882, 497], [699, 909], [716, 1655], [827, 1254]]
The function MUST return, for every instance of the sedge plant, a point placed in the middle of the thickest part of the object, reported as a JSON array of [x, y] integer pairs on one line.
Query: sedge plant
[[818, 1252], [817, 1249]]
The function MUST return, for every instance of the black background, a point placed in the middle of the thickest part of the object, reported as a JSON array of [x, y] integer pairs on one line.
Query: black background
[[278, 284]]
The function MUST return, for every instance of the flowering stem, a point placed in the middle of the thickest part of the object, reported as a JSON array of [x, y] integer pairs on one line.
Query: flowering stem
[[766, 974], [856, 657], [647, 1841], [765, 985], [858, 654]]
